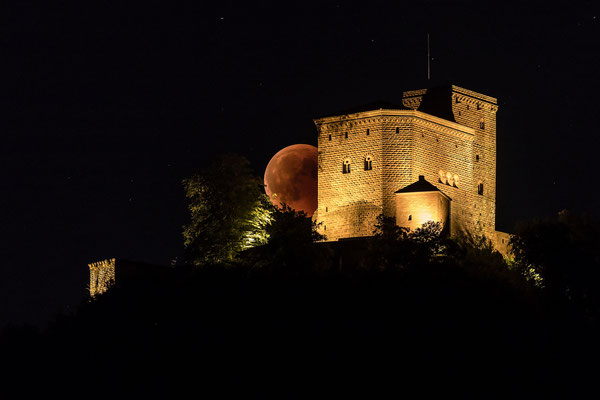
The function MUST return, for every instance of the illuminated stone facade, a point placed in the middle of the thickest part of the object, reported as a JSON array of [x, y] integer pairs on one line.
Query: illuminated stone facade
[[102, 276], [446, 134]]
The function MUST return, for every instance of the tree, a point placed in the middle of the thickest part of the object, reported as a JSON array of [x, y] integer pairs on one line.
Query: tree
[[291, 243], [228, 211], [561, 255]]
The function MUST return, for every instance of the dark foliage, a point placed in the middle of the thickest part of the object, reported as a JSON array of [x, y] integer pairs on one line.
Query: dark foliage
[[562, 254], [240, 333], [291, 245]]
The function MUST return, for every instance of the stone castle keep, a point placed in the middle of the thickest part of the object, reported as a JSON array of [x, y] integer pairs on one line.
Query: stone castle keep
[[431, 158]]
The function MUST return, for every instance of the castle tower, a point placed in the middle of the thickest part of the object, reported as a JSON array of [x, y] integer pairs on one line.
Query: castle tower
[[447, 135], [476, 111]]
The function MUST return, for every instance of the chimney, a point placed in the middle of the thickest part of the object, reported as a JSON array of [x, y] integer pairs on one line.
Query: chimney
[[421, 177]]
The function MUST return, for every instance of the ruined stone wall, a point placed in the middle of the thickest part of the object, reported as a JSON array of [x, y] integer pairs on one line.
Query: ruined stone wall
[[102, 276]]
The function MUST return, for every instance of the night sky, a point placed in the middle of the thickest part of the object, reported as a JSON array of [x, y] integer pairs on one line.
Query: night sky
[[106, 108]]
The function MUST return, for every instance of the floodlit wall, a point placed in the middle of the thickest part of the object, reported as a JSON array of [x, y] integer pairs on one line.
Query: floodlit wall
[[416, 208], [448, 135], [102, 276]]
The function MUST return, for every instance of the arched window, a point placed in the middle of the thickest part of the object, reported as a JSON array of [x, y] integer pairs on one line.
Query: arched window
[[346, 166], [368, 163], [480, 188], [449, 178], [442, 176]]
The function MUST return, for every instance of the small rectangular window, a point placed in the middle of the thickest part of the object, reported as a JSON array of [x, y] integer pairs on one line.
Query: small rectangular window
[[346, 135], [480, 188], [397, 130], [368, 132], [330, 137]]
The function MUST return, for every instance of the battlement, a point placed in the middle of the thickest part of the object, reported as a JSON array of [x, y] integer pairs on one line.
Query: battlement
[[452, 89], [366, 154]]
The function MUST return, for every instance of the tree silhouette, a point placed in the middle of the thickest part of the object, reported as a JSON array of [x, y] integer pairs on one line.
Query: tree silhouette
[[291, 245], [561, 255]]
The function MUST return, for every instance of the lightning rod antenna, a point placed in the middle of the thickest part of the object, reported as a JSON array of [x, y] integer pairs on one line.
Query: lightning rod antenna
[[428, 59]]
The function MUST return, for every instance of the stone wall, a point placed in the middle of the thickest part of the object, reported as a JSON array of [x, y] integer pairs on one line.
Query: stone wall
[[416, 208], [446, 134]]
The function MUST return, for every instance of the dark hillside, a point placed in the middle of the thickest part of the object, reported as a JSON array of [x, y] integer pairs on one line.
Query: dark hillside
[[438, 328]]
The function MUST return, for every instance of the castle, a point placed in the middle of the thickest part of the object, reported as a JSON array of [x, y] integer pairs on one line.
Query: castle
[[431, 158]]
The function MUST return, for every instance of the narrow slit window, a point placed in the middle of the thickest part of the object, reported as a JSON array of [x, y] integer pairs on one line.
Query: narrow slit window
[[397, 130], [480, 188], [330, 137], [476, 157], [346, 135], [482, 124], [368, 132]]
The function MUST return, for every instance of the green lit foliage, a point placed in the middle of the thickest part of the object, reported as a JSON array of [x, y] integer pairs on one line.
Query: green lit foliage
[[560, 255], [228, 211]]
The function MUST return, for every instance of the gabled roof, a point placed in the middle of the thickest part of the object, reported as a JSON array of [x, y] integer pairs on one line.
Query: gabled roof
[[374, 105], [420, 186]]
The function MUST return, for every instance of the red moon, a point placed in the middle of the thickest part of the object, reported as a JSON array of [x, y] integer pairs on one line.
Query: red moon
[[291, 178]]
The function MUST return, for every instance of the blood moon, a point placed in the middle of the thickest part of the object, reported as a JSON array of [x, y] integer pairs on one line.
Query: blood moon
[[291, 178]]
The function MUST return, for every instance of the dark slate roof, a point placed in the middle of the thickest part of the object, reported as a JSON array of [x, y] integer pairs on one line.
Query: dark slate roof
[[375, 105], [420, 186]]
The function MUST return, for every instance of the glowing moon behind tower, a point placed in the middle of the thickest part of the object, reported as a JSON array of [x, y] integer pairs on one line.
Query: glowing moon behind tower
[[291, 178]]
